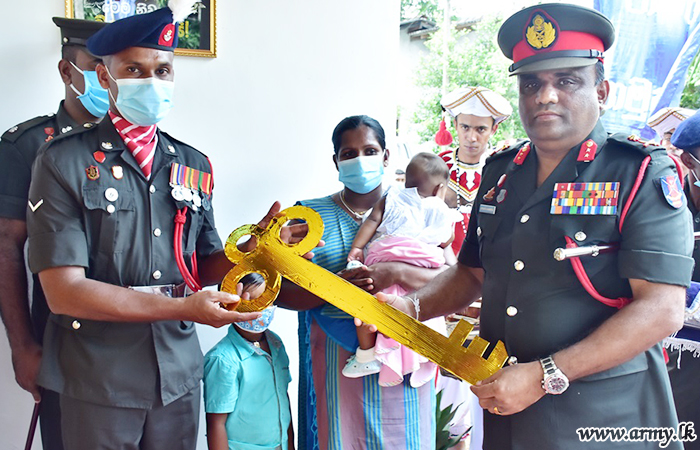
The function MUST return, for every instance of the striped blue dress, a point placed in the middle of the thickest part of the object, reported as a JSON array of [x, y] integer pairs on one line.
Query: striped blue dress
[[339, 413]]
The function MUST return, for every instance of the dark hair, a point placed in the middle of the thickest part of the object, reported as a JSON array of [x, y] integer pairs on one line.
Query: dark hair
[[431, 164], [354, 122], [252, 279], [599, 72], [70, 52]]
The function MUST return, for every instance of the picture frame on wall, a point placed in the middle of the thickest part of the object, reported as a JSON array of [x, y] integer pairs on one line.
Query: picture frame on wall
[[196, 35]]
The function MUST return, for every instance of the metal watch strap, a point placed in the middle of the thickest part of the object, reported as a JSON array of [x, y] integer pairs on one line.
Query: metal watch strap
[[548, 366]]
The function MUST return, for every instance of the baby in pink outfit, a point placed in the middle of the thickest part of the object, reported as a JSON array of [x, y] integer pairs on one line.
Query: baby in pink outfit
[[412, 225]]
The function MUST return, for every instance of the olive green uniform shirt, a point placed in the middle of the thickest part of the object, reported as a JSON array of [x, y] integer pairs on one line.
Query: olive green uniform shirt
[[537, 306], [75, 219]]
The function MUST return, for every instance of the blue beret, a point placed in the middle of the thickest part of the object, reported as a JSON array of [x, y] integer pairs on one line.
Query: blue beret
[[554, 36], [687, 134], [152, 30]]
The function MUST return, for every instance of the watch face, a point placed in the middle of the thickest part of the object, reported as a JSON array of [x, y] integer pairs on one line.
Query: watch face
[[556, 385]]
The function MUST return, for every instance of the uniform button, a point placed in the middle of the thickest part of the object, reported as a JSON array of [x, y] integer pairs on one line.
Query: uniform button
[[152, 189], [697, 220], [156, 232], [88, 125], [580, 236], [171, 149], [107, 145], [519, 265], [111, 194], [511, 311], [512, 360], [524, 218], [478, 231], [75, 324], [157, 274], [66, 129], [111, 209]]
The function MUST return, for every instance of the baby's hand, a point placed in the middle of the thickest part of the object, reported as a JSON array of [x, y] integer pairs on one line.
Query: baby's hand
[[356, 255]]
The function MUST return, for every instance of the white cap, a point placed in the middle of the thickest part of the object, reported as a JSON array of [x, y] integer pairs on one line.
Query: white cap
[[667, 119], [477, 101]]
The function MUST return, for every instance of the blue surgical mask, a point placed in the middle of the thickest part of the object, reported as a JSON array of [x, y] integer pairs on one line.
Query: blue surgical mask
[[143, 101], [362, 174], [697, 180], [260, 324], [95, 98]]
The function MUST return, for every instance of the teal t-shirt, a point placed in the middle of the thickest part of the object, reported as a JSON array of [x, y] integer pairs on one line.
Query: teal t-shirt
[[249, 385]]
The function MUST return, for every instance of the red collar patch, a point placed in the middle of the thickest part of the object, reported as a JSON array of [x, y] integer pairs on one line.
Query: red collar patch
[[522, 154], [587, 152]]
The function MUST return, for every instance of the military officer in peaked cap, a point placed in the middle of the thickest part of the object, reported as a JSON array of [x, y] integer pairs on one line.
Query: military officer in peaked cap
[[85, 102], [583, 333], [119, 216]]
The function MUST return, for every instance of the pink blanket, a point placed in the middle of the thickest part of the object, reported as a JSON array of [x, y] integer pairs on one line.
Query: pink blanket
[[396, 359]]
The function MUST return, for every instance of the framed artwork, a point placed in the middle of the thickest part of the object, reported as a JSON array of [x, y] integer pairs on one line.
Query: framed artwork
[[197, 34]]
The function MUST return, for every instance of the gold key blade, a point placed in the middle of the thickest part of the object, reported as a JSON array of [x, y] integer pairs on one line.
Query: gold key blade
[[272, 257]]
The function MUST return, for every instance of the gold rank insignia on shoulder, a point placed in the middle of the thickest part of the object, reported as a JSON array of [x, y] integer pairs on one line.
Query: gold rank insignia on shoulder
[[272, 258], [542, 32], [634, 138]]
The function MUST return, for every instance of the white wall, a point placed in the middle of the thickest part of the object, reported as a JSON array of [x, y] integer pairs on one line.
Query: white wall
[[263, 111]]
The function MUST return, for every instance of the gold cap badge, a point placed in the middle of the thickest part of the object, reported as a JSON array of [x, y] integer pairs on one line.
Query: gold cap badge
[[541, 33]]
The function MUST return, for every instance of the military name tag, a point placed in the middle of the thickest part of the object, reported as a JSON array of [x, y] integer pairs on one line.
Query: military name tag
[[487, 209], [592, 199]]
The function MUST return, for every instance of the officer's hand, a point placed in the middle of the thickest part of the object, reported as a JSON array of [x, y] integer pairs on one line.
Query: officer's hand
[[401, 303], [26, 363], [511, 389], [290, 234], [206, 307]]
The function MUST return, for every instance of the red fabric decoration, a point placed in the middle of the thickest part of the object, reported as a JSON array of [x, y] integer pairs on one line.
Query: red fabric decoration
[[443, 136]]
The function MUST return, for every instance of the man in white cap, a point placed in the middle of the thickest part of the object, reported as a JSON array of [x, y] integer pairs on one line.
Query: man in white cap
[[477, 112]]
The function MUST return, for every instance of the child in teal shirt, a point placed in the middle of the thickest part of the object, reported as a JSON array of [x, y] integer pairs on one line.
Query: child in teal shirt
[[246, 375]]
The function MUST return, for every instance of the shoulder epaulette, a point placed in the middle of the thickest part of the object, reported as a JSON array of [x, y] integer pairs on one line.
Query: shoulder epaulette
[[181, 143], [506, 150], [15, 132], [634, 142]]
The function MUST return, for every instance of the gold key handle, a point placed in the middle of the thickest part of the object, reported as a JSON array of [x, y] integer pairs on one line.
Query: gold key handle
[[273, 258]]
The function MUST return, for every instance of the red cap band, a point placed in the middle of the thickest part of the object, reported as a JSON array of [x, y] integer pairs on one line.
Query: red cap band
[[567, 40]]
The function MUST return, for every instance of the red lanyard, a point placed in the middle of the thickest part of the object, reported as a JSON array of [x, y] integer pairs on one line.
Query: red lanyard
[[191, 278]]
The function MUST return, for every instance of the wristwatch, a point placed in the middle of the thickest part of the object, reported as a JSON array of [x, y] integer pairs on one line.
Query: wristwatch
[[554, 381]]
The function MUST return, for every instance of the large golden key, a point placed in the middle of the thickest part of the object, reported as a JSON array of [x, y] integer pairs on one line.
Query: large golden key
[[274, 258]]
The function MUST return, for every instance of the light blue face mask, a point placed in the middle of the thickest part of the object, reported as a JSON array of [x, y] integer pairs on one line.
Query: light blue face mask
[[260, 324], [362, 174], [143, 101], [95, 98], [697, 180]]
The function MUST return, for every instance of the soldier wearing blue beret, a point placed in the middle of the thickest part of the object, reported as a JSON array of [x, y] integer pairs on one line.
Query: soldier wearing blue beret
[[685, 371], [120, 221], [583, 331], [84, 103]]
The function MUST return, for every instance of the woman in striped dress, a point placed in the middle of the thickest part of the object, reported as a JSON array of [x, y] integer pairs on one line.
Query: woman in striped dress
[[335, 412]]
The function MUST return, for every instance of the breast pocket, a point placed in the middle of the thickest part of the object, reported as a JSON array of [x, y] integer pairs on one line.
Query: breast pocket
[[586, 231], [112, 216]]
